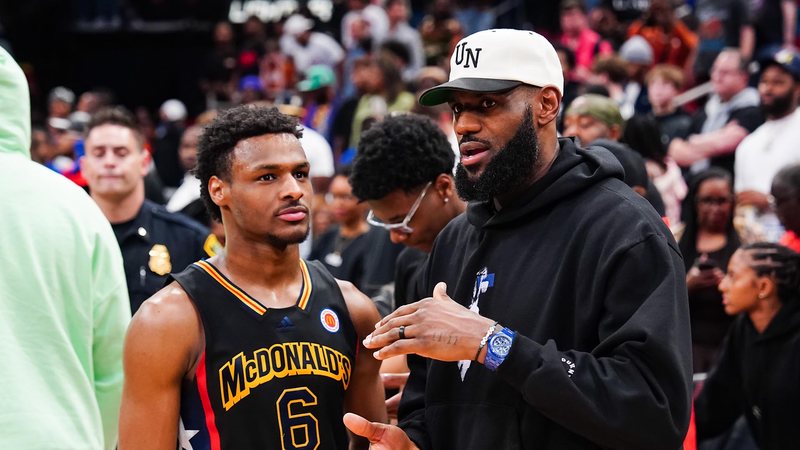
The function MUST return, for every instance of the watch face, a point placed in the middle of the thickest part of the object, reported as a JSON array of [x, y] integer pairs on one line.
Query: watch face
[[501, 344]]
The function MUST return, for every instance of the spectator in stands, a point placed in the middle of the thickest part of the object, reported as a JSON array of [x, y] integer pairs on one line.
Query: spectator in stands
[[59, 102], [707, 240], [571, 87], [584, 42], [642, 134], [756, 370], [671, 40], [172, 122], [376, 23], [318, 89], [611, 73], [308, 47], [353, 250], [217, 79], [664, 83], [189, 189], [638, 56], [400, 31], [721, 24], [775, 25], [385, 93], [786, 194], [774, 144], [728, 116], [250, 90], [596, 121], [440, 32]]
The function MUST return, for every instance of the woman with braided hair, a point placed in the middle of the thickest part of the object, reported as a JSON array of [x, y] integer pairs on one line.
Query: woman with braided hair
[[759, 368]]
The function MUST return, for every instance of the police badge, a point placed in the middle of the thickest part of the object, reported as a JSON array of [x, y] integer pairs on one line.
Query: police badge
[[159, 260]]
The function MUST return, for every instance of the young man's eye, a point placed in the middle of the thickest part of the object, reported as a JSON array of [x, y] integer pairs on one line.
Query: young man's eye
[[457, 108], [301, 175], [266, 177], [487, 103]]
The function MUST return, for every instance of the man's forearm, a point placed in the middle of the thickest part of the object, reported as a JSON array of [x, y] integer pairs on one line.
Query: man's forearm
[[719, 142]]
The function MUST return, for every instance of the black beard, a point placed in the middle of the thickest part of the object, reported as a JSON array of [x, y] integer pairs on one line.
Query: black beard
[[780, 106], [281, 242], [509, 170]]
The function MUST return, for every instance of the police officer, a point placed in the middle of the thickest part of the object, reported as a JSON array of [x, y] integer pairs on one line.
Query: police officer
[[154, 242]]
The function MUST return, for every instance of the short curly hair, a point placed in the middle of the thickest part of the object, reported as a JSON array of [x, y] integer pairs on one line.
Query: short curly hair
[[402, 152], [219, 137]]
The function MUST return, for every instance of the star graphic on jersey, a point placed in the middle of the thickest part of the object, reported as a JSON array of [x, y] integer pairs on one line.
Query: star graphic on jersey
[[184, 436]]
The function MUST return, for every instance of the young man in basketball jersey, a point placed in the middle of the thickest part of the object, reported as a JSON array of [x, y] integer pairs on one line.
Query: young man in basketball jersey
[[254, 348]]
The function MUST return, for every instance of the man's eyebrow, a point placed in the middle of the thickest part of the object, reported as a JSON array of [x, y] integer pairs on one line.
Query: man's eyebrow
[[303, 165]]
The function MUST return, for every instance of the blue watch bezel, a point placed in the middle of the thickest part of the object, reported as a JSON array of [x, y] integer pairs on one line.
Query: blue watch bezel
[[493, 358]]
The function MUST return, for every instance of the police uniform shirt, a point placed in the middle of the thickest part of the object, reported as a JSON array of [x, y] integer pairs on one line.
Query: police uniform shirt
[[155, 243]]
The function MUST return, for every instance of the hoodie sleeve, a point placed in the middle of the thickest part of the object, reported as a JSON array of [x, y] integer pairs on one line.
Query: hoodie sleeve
[[633, 390], [111, 313]]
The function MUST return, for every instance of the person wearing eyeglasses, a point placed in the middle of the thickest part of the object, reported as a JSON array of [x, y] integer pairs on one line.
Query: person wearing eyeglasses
[[707, 242], [404, 172], [352, 250]]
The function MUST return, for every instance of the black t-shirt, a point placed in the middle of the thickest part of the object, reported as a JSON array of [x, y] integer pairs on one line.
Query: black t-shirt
[[749, 117], [367, 261], [407, 276], [767, 20], [719, 25]]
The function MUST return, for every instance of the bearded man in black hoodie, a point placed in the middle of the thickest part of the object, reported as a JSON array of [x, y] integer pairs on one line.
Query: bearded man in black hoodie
[[558, 317]]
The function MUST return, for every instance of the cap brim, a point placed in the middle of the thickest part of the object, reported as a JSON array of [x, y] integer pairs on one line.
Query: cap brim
[[441, 93]]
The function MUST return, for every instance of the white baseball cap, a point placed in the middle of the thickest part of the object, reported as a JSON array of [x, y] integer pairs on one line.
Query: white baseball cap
[[498, 60]]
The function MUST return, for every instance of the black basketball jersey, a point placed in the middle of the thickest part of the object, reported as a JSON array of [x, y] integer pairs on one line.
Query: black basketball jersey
[[268, 378]]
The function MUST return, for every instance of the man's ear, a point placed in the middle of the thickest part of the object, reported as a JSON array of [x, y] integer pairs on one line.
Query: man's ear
[[444, 185], [549, 105], [146, 160], [614, 132], [217, 190]]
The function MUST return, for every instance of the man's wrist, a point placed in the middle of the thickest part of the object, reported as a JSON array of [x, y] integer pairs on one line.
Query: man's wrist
[[498, 348]]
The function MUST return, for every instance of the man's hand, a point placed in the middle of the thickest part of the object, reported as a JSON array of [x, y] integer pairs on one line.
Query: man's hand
[[697, 279], [682, 153], [436, 328], [380, 435], [753, 198]]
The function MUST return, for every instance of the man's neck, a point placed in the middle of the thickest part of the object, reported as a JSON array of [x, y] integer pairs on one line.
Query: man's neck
[[259, 263], [663, 110], [121, 210], [771, 117], [355, 229]]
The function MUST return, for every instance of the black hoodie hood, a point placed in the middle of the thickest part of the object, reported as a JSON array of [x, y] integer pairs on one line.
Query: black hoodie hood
[[573, 171]]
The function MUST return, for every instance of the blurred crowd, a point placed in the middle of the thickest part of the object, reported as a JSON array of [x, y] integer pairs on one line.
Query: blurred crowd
[[697, 99]]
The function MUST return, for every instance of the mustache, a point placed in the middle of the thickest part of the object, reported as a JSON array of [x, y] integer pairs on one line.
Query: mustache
[[469, 138], [292, 204]]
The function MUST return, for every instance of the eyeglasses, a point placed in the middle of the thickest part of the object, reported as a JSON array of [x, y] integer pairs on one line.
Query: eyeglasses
[[401, 226], [714, 201]]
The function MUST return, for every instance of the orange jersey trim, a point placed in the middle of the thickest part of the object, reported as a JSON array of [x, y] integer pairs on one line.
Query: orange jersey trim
[[302, 302], [305, 292], [238, 293]]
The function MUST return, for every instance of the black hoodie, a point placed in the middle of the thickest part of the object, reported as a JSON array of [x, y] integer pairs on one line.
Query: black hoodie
[[758, 375], [590, 278]]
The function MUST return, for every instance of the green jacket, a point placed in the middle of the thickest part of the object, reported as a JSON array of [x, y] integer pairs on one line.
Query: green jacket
[[63, 300]]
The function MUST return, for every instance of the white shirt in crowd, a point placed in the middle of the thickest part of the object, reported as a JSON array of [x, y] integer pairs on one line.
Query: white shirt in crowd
[[765, 151], [321, 49]]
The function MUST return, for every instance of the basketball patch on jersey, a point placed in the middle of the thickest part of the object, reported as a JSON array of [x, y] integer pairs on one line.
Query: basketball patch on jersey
[[329, 320]]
